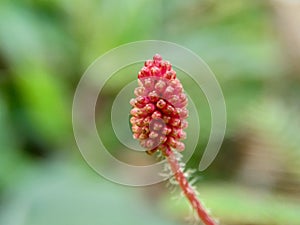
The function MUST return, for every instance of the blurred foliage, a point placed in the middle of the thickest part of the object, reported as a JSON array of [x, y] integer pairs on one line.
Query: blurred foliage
[[45, 47], [265, 208], [65, 195]]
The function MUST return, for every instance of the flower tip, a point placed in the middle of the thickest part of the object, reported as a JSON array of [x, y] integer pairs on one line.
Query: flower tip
[[157, 57]]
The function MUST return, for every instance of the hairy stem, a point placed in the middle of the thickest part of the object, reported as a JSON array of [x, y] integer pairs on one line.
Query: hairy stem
[[189, 191]]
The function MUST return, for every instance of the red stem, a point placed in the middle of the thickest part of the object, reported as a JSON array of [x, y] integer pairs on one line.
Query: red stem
[[189, 191]]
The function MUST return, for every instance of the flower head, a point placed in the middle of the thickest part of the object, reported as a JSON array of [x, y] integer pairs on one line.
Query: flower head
[[159, 113]]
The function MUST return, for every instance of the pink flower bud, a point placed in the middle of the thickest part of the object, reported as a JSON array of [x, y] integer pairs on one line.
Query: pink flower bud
[[159, 109]]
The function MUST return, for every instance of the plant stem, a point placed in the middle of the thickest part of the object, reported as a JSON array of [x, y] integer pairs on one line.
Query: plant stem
[[189, 191]]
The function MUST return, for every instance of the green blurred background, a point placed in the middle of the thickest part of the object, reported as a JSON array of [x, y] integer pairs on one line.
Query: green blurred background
[[253, 47]]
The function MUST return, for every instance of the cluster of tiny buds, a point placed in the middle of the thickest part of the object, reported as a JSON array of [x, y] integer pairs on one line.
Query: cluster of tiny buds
[[159, 113]]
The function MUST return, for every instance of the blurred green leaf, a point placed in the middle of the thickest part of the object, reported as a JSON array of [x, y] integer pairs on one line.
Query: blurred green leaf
[[45, 101]]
